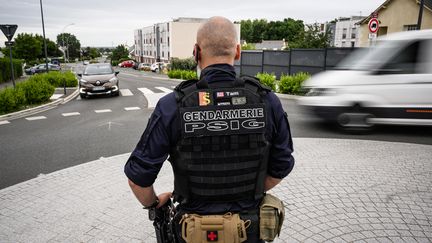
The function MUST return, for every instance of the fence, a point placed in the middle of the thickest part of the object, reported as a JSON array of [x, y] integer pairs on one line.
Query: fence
[[291, 61]]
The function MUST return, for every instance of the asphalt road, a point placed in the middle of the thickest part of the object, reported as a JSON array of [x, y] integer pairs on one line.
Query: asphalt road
[[84, 130]]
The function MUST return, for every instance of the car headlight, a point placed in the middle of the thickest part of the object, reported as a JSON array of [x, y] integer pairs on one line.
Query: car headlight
[[319, 91], [82, 81], [114, 80]]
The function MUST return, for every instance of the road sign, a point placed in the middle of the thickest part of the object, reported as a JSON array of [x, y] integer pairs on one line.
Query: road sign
[[373, 25], [9, 43], [372, 35], [8, 30]]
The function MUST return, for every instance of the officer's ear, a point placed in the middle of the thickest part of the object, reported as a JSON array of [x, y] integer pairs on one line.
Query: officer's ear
[[238, 52]]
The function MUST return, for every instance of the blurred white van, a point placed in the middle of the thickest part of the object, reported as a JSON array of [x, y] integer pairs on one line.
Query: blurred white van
[[390, 83]]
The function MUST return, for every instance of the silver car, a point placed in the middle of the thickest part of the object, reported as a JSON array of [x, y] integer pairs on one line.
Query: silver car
[[98, 79]]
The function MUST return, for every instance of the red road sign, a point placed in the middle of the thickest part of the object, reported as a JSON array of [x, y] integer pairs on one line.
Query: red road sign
[[373, 25]]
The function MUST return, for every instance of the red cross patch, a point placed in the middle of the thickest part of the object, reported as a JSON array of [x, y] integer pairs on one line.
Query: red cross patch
[[212, 236]]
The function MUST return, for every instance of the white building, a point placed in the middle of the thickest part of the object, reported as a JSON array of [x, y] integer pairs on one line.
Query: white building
[[347, 32], [164, 41]]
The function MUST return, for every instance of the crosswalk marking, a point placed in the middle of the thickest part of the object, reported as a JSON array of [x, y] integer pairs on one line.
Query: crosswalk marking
[[166, 90], [71, 114], [103, 111], [132, 108], [4, 122], [125, 92], [145, 91], [34, 118], [56, 96]]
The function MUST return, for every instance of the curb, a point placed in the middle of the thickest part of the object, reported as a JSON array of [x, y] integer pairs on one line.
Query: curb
[[38, 109]]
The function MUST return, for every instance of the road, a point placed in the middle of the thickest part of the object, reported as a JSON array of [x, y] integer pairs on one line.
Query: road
[[87, 129]]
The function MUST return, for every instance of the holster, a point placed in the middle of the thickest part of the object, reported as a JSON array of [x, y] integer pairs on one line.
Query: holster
[[227, 228], [272, 214]]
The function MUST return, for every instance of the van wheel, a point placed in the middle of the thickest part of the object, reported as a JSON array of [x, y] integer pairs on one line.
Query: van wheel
[[356, 119]]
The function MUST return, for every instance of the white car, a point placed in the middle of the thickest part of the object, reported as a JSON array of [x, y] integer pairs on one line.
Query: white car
[[155, 66], [390, 83]]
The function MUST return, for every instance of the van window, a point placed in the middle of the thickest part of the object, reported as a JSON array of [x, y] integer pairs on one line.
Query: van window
[[405, 61]]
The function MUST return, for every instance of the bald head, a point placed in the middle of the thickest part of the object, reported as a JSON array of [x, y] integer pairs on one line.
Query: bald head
[[217, 38]]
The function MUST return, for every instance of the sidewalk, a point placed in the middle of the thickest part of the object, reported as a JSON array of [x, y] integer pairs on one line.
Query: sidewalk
[[339, 191]]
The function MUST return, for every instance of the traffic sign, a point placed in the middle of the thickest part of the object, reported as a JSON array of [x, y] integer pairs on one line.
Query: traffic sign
[[372, 35], [9, 43], [8, 30], [373, 25]]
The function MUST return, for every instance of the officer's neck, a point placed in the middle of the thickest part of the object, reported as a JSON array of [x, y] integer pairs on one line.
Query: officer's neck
[[205, 62]]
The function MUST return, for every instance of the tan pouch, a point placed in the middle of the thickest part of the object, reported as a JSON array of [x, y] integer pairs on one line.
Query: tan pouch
[[272, 214], [227, 228]]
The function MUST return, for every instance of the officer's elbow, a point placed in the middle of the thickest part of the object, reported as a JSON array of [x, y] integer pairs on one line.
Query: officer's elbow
[[132, 184]]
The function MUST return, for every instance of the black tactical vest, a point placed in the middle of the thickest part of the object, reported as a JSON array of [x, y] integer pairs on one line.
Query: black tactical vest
[[222, 152]]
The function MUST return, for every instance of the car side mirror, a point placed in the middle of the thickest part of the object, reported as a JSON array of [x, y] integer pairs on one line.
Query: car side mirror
[[80, 75], [117, 72]]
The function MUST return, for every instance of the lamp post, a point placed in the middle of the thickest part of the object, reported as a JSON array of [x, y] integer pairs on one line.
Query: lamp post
[[63, 34], [45, 46]]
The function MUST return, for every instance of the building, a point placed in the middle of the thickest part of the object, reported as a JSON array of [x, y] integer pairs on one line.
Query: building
[[346, 32], [270, 45], [396, 16], [164, 41]]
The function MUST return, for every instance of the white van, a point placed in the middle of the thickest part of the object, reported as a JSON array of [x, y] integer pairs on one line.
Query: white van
[[390, 83]]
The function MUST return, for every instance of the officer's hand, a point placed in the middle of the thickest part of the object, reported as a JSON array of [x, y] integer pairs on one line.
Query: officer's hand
[[163, 198]]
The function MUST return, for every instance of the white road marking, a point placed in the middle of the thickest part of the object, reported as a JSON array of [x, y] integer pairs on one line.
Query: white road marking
[[165, 90], [129, 74], [71, 114], [125, 92], [56, 96], [132, 108], [78, 98], [34, 118], [145, 91], [161, 78], [4, 122], [173, 87], [103, 111]]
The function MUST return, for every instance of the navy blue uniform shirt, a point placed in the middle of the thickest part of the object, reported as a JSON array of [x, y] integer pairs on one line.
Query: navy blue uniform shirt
[[162, 133]]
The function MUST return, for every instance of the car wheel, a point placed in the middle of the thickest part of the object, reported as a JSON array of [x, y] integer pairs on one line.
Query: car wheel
[[356, 119], [83, 96]]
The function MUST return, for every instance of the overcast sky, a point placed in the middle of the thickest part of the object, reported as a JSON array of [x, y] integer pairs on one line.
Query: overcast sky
[[109, 22]]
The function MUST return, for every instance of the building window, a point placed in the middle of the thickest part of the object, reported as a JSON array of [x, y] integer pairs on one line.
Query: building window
[[344, 33], [352, 44], [167, 26], [353, 33], [163, 54], [161, 40], [168, 55], [168, 41], [410, 27]]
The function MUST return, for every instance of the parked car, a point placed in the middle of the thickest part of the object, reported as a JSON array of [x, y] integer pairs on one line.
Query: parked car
[[41, 68], [126, 64], [86, 62], [144, 67], [390, 83], [155, 66], [135, 65], [98, 79]]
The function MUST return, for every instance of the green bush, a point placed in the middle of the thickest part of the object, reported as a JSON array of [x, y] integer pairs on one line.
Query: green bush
[[267, 79], [182, 74], [292, 84], [183, 64], [36, 89], [57, 79], [5, 73], [11, 100]]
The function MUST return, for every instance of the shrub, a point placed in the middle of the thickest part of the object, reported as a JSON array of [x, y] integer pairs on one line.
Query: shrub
[[292, 84], [57, 79], [11, 100], [183, 64], [182, 74], [268, 80], [36, 89], [114, 63], [5, 73]]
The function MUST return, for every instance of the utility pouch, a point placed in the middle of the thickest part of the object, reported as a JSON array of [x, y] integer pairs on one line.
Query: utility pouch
[[227, 228], [272, 214]]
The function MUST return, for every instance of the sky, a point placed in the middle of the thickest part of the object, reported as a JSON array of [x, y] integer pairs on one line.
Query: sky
[[110, 23]]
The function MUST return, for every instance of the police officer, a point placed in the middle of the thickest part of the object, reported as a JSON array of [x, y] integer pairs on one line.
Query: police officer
[[228, 139]]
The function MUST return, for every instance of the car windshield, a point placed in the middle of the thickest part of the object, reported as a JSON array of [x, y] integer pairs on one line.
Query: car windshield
[[370, 58], [98, 69]]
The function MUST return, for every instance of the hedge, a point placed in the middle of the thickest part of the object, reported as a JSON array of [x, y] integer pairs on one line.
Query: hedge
[[35, 90], [5, 73], [292, 84], [182, 74], [183, 64], [267, 79]]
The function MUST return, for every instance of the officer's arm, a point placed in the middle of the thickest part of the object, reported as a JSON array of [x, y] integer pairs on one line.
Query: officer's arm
[[270, 182], [145, 195]]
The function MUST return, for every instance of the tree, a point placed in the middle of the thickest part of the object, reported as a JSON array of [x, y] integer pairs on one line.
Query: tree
[[52, 48], [27, 47], [119, 52], [312, 37], [254, 31], [72, 43], [91, 53]]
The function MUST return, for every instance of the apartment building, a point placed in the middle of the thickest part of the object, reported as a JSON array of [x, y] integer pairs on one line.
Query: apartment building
[[346, 32], [163, 41]]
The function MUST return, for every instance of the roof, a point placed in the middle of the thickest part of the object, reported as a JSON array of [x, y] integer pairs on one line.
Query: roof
[[427, 4]]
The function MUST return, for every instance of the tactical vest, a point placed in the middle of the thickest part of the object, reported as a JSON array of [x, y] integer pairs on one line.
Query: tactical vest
[[222, 152]]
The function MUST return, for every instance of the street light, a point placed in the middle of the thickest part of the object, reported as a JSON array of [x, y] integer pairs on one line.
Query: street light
[[63, 34]]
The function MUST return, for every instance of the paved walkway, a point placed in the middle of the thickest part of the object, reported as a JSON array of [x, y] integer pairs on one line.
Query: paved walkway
[[339, 191]]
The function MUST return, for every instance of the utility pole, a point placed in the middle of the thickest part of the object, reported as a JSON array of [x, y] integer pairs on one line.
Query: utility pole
[[420, 16], [45, 45]]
